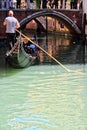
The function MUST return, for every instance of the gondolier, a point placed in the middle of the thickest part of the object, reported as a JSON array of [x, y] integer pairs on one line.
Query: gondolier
[[11, 24]]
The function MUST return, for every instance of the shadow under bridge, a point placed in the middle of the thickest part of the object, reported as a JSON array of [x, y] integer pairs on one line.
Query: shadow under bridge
[[69, 23]]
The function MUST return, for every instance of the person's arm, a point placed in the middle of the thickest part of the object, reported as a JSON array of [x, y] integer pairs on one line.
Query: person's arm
[[17, 25], [5, 23]]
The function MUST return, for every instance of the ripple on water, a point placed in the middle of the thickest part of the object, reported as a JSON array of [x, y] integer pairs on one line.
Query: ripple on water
[[45, 98]]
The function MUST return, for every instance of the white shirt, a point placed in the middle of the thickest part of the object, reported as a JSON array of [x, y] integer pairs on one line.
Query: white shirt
[[11, 24]]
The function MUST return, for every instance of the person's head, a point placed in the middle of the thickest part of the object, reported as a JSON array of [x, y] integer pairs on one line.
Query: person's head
[[10, 13]]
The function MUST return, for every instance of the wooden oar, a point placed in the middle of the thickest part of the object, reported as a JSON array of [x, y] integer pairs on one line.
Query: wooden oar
[[43, 51]]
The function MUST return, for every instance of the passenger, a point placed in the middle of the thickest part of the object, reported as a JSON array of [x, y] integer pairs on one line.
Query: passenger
[[11, 24], [30, 48], [33, 49]]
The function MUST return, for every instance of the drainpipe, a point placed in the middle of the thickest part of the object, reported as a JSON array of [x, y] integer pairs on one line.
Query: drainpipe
[[84, 27], [85, 12], [46, 30]]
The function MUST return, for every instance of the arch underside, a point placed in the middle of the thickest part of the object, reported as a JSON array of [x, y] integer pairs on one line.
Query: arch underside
[[54, 14]]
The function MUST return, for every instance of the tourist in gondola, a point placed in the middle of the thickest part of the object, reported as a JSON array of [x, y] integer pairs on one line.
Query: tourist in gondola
[[11, 24], [30, 48]]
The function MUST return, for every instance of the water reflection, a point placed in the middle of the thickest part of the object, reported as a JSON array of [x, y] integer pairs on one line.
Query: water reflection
[[63, 48], [46, 97], [66, 49]]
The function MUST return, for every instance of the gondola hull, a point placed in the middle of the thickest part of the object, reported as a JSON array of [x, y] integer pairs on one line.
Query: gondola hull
[[20, 59]]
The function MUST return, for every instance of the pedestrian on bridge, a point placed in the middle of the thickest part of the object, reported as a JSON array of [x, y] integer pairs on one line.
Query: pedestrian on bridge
[[63, 4], [44, 4], [72, 4], [30, 4], [38, 4], [18, 4], [55, 4]]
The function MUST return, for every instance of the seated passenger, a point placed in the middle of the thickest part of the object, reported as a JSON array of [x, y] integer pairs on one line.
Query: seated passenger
[[30, 48]]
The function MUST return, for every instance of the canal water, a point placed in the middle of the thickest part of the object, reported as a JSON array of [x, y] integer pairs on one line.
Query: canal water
[[46, 96]]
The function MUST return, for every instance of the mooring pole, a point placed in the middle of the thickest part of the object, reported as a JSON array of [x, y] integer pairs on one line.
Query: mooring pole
[[46, 30]]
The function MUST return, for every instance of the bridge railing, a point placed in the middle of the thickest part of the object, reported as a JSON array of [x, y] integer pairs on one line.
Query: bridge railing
[[63, 4]]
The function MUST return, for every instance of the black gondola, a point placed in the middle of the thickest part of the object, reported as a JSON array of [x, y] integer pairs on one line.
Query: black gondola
[[17, 57]]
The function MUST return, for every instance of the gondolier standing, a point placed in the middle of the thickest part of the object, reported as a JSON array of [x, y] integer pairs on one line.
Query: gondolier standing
[[11, 24]]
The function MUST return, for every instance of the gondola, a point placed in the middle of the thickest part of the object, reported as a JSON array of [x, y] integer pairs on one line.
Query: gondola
[[17, 57]]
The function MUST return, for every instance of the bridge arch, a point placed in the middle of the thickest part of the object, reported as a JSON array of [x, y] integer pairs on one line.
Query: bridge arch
[[52, 13]]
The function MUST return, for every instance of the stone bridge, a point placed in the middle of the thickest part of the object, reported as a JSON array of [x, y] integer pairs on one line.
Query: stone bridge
[[72, 19]]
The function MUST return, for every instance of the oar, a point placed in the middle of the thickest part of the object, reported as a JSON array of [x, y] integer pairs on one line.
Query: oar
[[68, 70], [43, 51]]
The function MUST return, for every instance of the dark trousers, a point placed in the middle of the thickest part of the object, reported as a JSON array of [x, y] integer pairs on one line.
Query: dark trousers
[[72, 4], [11, 39]]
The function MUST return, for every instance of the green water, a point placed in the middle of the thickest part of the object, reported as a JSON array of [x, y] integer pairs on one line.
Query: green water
[[44, 97]]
